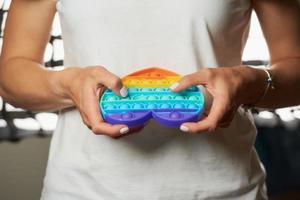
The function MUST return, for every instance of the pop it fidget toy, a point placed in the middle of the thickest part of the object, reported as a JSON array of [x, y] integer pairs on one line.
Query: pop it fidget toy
[[149, 97]]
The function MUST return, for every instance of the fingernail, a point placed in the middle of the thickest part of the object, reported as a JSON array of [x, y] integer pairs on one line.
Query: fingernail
[[124, 130], [123, 91], [184, 128], [174, 85]]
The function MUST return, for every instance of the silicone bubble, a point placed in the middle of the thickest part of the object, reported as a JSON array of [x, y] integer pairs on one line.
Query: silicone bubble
[[112, 98], [148, 82], [179, 105], [166, 97], [159, 82], [192, 89], [127, 115], [133, 89], [193, 98], [109, 107], [179, 97], [126, 98], [140, 97], [165, 106], [124, 106], [151, 106], [158, 89], [138, 106], [149, 97], [152, 97], [146, 89], [193, 106], [134, 82], [175, 115]]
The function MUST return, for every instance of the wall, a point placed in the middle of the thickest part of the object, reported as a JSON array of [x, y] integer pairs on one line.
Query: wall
[[22, 168]]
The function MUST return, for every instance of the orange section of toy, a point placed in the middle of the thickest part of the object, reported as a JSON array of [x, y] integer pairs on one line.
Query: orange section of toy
[[150, 78]]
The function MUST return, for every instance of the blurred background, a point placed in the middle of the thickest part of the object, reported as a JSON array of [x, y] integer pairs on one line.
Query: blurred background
[[25, 136]]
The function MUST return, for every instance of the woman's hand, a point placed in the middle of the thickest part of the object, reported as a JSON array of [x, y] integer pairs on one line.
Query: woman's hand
[[84, 87], [230, 87]]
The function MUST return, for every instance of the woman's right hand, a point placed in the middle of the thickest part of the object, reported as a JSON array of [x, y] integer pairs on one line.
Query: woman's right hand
[[84, 87]]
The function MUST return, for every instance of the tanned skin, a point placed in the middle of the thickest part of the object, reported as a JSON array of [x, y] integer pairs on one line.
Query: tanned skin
[[26, 83]]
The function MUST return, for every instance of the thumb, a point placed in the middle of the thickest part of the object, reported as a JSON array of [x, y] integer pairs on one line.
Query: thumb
[[113, 82], [189, 80]]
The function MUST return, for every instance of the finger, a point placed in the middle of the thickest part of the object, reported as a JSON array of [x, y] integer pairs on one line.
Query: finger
[[132, 131], [225, 125], [210, 123], [93, 115], [103, 128], [113, 82], [227, 119], [85, 120], [197, 78]]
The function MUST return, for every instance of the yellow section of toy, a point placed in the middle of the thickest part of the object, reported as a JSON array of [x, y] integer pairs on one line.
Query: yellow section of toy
[[142, 82]]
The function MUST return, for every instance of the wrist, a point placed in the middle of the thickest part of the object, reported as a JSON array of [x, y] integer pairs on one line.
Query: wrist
[[59, 82], [253, 85]]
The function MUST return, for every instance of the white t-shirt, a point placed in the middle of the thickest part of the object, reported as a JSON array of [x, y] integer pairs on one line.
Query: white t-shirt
[[157, 163]]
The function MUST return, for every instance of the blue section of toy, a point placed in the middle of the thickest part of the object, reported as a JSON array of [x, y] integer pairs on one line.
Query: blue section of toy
[[141, 104]]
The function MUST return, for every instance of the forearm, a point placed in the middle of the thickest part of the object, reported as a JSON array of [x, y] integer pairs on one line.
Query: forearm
[[280, 24], [286, 76], [286, 81], [29, 85]]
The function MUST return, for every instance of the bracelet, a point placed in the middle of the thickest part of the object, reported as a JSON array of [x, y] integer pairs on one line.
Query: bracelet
[[270, 84]]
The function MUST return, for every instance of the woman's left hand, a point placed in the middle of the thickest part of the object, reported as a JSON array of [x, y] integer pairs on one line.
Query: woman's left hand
[[229, 87]]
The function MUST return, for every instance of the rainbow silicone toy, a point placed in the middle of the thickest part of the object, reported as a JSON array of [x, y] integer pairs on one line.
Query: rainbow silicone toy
[[149, 97]]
